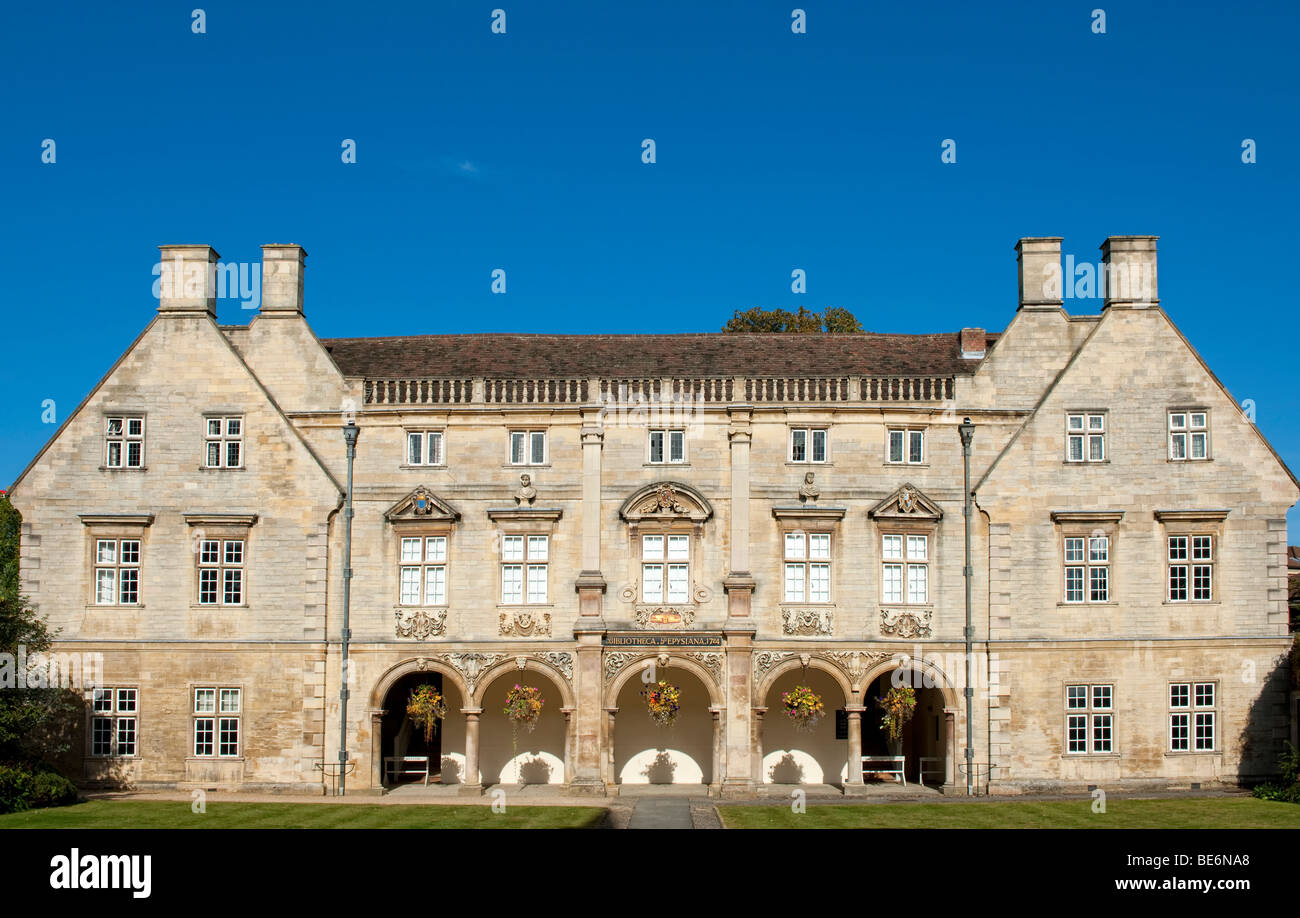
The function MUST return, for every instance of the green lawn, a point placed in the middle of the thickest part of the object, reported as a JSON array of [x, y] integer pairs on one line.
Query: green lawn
[[1187, 813], [153, 814]]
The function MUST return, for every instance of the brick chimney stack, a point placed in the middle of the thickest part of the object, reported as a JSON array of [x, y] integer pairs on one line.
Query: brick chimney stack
[[188, 280], [282, 278], [1039, 261], [973, 343], [1130, 271]]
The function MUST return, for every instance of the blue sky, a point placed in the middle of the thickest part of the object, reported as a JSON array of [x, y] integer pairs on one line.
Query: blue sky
[[522, 151]]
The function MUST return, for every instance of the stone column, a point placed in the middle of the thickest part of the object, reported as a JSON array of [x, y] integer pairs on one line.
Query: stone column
[[588, 682], [377, 751], [591, 583], [739, 583], [756, 769], [718, 777], [607, 759], [855, 745], [738, 749], [473, 785], [568, 744], [950, 739]]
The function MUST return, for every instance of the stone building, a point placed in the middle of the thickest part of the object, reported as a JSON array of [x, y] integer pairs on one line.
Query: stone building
[[732, 514]]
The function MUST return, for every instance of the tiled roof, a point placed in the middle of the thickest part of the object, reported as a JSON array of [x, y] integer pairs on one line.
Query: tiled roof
[[640, 356]]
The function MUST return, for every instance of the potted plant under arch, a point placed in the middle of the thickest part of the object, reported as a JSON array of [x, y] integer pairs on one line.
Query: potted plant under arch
[[523, 709], [899, 704], [663, 701]]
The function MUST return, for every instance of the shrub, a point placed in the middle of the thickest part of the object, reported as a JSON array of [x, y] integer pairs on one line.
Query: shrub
[[49, 788], [22, 788], [15, 789]]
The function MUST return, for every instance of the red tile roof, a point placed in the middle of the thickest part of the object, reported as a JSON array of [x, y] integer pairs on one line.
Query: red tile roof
[[516, 356]]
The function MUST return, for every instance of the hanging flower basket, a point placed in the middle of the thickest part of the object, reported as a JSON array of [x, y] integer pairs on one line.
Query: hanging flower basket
[[803, 706], [426, 708], [899, 704], [663, 700], [524, 707]]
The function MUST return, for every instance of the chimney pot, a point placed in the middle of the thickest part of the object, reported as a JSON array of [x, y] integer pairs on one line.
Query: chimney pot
[[973, 343], [1129, 271], [1039, 262], [283, 266], [188, 279]]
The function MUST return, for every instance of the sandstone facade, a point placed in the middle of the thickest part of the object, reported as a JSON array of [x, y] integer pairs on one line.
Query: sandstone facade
[[724, 569]]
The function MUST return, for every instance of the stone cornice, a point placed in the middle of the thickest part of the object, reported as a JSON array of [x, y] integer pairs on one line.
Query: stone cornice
[[518, 514], [118, 519], [809, 512], [1087, 516], [220, 519], [1193, 516]]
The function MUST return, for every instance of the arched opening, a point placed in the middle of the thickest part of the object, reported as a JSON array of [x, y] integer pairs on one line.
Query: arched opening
[[540, 758], [647, 753], [924, 743], [793, 755], [403, 744]]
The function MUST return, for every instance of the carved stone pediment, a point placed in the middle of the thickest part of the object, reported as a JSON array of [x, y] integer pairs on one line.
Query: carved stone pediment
[[666, 500], [907, 503], [422, 504]]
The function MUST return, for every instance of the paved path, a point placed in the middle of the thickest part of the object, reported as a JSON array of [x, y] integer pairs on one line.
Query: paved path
[[661, 813]]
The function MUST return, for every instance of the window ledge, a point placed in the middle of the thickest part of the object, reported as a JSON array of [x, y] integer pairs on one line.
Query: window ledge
[[905, 465], [117, 607], [1182, 461], [1171, 754], [526, 606], [1090, 756], [223, 468], [216, 606], [508, 465], [124, 468], [1085, 462], [1076, 605], [406, 466], [665, 465], [821, 465], [1192, 602]]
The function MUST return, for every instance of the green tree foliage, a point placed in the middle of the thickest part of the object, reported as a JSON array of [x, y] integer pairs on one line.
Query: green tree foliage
[[9, 523], [35, 723], [833, 320]]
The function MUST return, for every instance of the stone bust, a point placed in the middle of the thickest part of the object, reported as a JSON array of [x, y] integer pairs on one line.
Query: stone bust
[[809, 492], [526, 493]]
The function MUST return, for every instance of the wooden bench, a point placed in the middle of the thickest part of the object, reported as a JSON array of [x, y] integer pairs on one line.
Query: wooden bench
[[395, 765], [895, 763]]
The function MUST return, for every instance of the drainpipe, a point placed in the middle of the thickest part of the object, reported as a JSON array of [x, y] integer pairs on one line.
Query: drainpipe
[[350, 432], [967, 432]]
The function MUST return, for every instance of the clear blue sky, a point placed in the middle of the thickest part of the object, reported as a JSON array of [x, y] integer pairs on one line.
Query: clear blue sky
[[522, 151]]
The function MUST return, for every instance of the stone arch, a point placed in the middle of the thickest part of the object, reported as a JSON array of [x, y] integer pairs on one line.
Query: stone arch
[[785, 666], [634, 667], [665, 498], [531, 664], [942, 683], [391, 675]]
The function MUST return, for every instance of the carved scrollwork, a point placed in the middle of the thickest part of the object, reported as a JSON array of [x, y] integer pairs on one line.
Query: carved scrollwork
[[710, 660], [525, 624], [472, 665], [765, 660], [665, 617], [807, 622], [561, 661], [904, 624], [421, 624], [856, 663], [615, 661]]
